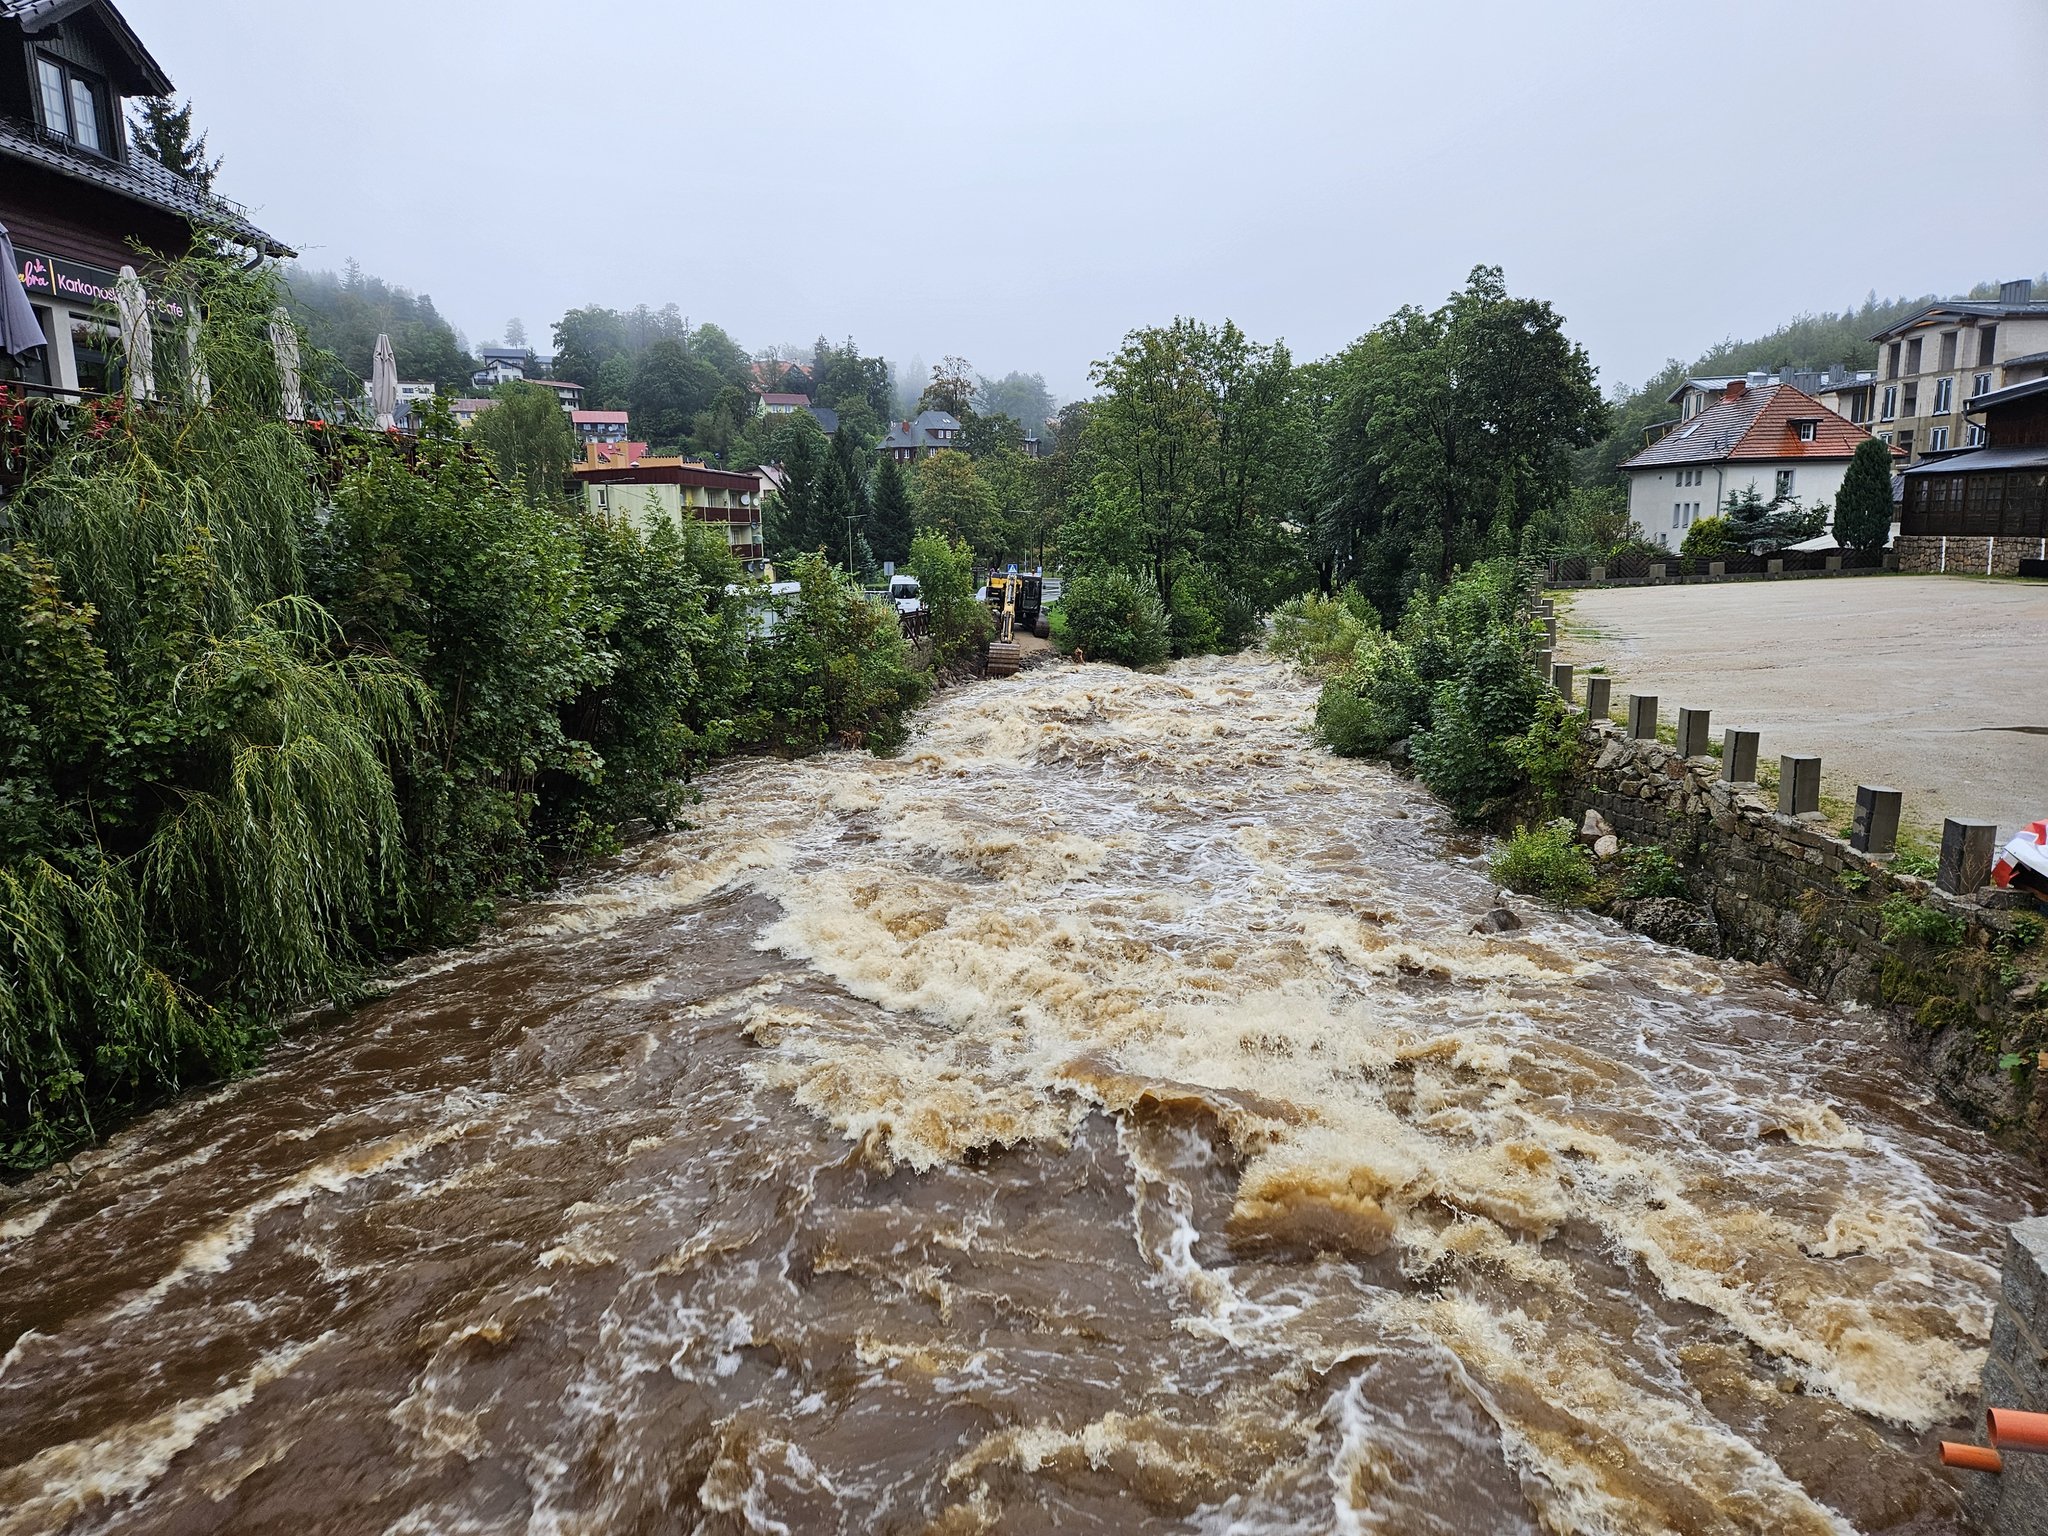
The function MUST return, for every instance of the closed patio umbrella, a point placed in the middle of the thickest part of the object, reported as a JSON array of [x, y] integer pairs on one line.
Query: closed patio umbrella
[[384, 384], [284, 343], [138, 341], [19, 331], [198, 382]]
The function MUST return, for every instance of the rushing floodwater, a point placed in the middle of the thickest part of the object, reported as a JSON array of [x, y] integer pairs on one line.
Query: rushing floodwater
[[1100, 1119]]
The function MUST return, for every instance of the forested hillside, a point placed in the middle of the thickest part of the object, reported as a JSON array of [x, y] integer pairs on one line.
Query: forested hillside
[[343, 313]]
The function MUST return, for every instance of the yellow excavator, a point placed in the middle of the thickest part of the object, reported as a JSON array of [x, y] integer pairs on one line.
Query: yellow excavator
[[1014, 599]]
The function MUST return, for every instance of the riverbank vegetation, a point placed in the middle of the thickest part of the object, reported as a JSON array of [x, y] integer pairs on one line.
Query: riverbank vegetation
[[280, 700]]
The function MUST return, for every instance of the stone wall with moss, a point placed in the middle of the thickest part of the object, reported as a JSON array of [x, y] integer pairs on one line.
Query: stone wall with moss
[[1961, 977]]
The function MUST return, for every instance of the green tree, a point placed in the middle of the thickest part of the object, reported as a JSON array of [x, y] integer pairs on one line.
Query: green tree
[[985, 436], [669, 388], [1115, 616], [482, 594], [528, 438], [163, 130], [1197, 445], [944, 569], [809, 516], [1761, 526], [835, 666], [586, 340], [952, 499], [892, 522], [951, 389], [1863, 506], [1450, 433]]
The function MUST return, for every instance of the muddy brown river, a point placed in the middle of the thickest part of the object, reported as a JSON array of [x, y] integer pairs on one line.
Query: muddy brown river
[[1101, 1118]]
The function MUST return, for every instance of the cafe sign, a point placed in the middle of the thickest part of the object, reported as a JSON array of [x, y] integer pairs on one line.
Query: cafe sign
[[76, 284]]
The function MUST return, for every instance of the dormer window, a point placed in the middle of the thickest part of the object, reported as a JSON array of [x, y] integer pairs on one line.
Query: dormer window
[[73, 104], [1806, 428]]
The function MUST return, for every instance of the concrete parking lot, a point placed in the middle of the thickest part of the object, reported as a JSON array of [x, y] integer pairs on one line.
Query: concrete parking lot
[[1937, 686]]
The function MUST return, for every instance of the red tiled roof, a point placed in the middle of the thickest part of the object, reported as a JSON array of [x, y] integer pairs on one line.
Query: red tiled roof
[[773, 398], [1757, 424], [599, 418]]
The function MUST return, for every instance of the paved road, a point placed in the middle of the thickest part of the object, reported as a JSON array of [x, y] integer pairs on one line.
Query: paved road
[[1934, 685]]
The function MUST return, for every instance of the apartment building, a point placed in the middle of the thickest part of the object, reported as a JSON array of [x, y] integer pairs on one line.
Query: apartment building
[[651, 489], [1950, 352]]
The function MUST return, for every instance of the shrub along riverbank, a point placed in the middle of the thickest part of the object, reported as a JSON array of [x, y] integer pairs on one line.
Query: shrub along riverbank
[[278, 701]]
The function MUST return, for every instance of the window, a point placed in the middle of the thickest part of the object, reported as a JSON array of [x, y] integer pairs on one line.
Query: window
[[1808, 430], [1677, 512], [1948, 350], [1981, 384], [1885, 438], [1891, 402], [72, 104], [1987, 342], [1937, 440], [94, 348], [1906, 442], [1913, 355], [1891, 368], [1912, 399], [1784, 482], [1944, 397], [1975, 436]]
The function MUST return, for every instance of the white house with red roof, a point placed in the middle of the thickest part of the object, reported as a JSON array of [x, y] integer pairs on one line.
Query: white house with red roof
[[1775, 440]]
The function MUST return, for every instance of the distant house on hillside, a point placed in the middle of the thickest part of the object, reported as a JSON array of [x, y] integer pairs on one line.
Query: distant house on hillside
[[467, 410], [932, 432], [600, 426], [1952, 351], [1985, 510], [1777, 441], [571, 395], [781, 403], [501, 365]]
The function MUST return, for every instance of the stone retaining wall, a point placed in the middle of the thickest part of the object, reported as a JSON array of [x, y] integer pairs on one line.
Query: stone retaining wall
[[2015, 1502], [1927, 555], [1785, 890]]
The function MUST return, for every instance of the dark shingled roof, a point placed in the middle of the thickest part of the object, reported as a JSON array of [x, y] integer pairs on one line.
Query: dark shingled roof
[[144, 77], [138, 177]]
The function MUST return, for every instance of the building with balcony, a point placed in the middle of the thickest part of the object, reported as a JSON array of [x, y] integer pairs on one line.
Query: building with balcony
[[600, 426], [652, 489], [1950, 352], [74, 192]]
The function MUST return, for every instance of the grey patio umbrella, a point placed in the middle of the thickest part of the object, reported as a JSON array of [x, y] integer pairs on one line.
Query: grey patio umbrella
[[19, 331], [284, 343], [198, 382], [384, 384], [138, 341]]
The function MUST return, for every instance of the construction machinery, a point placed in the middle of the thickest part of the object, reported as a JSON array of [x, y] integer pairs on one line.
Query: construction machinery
[[1016, 601]]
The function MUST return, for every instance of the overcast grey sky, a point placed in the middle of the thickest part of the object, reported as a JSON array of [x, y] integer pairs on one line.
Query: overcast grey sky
[[1021, 184]]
